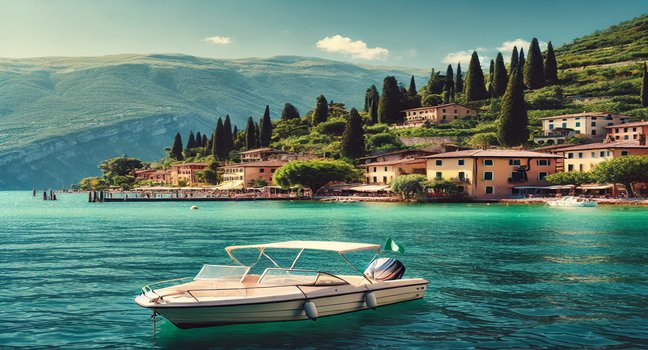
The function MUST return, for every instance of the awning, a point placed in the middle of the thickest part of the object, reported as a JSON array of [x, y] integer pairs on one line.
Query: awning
[[340, 247], [594, 187], [370, 188], [230, 185], [556, 187]]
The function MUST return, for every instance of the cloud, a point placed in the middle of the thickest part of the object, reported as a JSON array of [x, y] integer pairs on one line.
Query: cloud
[[507, 46], [218, 40], [412, 52], [355, 49], [463, 57]]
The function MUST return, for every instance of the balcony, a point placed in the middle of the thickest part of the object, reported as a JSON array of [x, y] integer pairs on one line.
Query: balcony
[[460, 180]]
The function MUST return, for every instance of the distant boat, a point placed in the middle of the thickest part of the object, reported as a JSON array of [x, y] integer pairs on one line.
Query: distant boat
[[193, 207], [223, 295], [571, 201]]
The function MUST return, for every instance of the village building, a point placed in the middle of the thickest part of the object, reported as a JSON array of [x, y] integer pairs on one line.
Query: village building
[[491, 173], [592, 125], [586, 157], [185, 173], [258, 154], [154, 175], [384, 172], [440, 114], [243, 175], [627, 131]]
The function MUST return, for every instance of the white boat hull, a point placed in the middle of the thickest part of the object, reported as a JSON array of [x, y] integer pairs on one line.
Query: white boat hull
[[328, 301]]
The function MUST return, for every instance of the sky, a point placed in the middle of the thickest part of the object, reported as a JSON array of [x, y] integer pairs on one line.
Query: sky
[[386, 33]]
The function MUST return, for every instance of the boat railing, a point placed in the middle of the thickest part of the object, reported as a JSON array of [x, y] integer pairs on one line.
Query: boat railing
[[147, 288], [191, 292]]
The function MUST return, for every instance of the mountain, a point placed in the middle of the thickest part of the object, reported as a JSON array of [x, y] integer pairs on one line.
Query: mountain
[[60, 116], [626, 41]]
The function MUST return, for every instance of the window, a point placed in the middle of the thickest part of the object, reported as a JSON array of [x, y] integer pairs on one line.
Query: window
[[564, 125], [626, 137], [593, 118], [542, 175], [461, 189], [514, 162], [577, 118], [634, 137], [610, 124], [438, 175], [375, 179], [578, 124], [384, 179], [385, 168], [624, 153], [488, 162], [462, 176], [593, 154], [593, 132], [634, 129], [580, 167], [543, 162], [488, 175], [602, 154], [443, 110], [375, 169], [551, 126], [625, 129], [444, 117], [569, 155], [262, 170], [593, 124], [460, 162], [490, 190], [438, 162], [580, 154], [570, 167]]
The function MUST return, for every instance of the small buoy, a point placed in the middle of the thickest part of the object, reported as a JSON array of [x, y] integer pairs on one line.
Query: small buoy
[[370, 300], [311, 310], [193, 207]]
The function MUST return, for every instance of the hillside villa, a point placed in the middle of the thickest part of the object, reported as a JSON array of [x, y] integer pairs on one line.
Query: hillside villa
[[243, 175], [585, 157], [627, 131], [491, 173], [593, 125], [440, 114], [384, 172], [174, 175], [255, 155]]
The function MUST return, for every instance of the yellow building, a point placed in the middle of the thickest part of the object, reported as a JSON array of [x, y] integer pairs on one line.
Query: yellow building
[[491, 173], [591, 124], [385, 172], [628, 131], [440, 114], [586, 157], [255, 155], [242, 175]]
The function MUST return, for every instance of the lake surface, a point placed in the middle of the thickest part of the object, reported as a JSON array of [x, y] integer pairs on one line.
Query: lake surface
[[501, 276]]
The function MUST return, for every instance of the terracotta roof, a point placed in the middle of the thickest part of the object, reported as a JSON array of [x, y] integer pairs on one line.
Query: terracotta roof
[[493, 153], [585, 114], [263, 163], [395, 162], [609, 145], [439, 106], [397, 152], [625, 125], [186, 164], [266, 149]]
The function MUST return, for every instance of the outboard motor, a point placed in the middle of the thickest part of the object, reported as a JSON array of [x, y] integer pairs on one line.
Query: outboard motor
[[385, 269]]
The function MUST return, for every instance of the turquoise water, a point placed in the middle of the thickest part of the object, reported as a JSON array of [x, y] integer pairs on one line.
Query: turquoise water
[[501, 277]]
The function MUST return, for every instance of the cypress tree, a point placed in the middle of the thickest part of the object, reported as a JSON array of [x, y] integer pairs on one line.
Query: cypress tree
[[435, 84], [448, 86], [500, 77], [644, 87], [218, 142], [412, 87], [320, 114], [210, 143], [176, 149], [534, 76], [514, 60], [228, 137], [257, 132], [204, 141], [198, 139], [475, 86], [235, 131], [491, 71], [459, 85], [250, 134], [512, 127], [265, 132], [389, 105], [550, 66], [289, 112], [521, 61], [191, 141], [352, 141]]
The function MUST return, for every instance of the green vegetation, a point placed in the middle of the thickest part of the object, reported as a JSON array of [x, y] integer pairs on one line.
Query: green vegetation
[[389, 105], [265, 134], [644, 87], [500, 76], [534, 77], [176, 149], [117, 172], [409, 186], [352, 142], [314, 174], [550, 66], [576, 178], [475, 85], [625, 170], [513, 122], [320, 114], [289, 112]]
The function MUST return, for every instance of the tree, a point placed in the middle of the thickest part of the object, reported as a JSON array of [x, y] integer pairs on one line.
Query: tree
[[483, 140], [316, 173], [208, 176], [521, 62], [389, 105], [218, 149], [550, 66], [259, 183], [250, 134], [198, 141], [320, 114], [265, 132], [435, 85], [448, 86], [475, 88], [575, 178], [625, 170], [412, 87], [191, 141], [228, 137], [352, 141], [500, 77], [459, 81], [372, 99], [644, 87], [409, 186], [512, 127], [96, 183], [534, 77], [204, 141], [120, 166], [289, 112], [176, 149], [257, 133], [514, 60], [491, 71]]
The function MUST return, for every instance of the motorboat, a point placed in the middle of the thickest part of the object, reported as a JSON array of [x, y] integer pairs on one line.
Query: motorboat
[[571, 201], [223, 294]]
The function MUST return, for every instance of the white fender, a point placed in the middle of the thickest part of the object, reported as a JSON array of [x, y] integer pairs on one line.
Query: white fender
[[311, 310], [370, 300]]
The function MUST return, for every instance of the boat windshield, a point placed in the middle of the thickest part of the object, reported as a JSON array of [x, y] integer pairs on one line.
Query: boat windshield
[[222, 273], [293, 277]]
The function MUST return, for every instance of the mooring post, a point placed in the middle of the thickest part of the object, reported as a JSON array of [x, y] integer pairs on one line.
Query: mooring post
[[44, 195]]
